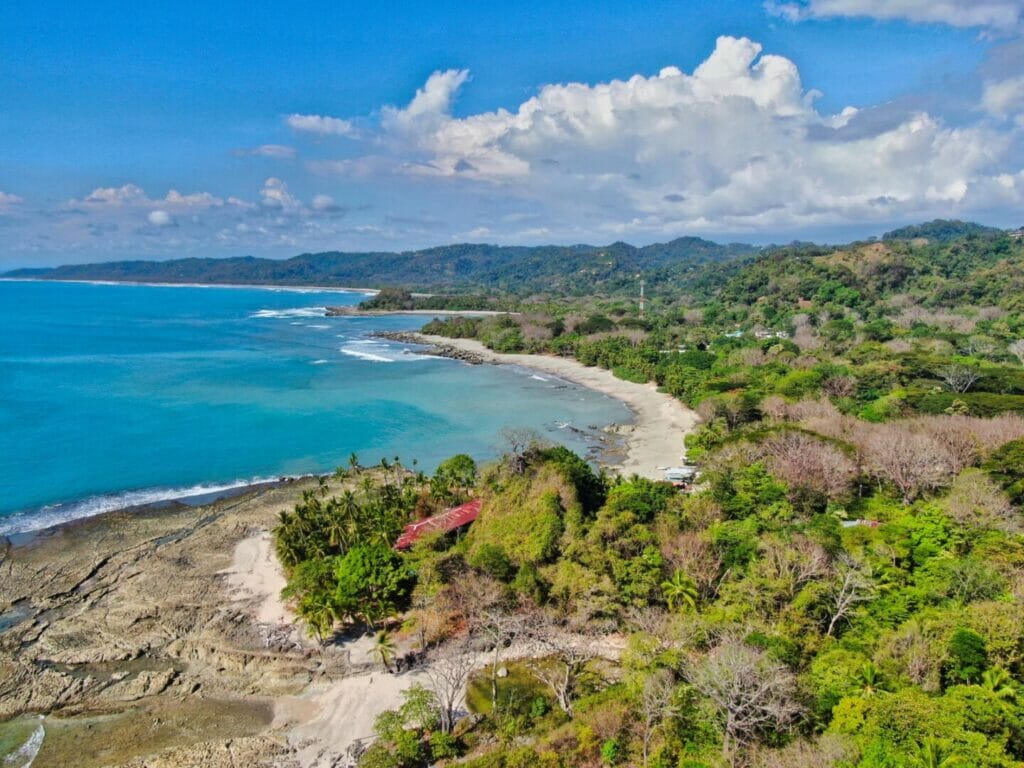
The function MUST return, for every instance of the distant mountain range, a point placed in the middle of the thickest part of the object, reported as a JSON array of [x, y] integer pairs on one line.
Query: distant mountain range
[[516, 269], [690, 264]]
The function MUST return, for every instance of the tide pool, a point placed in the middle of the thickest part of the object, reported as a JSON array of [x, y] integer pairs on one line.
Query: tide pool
[[113, 395]]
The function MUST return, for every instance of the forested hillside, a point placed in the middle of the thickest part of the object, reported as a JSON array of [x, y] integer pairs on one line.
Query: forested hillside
[[843, 587], [575, 270]]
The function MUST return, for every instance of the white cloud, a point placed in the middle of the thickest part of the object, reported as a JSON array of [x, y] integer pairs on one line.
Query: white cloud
[[159, 218], [193, 200], [431, 104], [324, 203], [275, 151], [1003, 15], [319, 124], [116, 196], [1004, 98], [736, 146], [275, 194]]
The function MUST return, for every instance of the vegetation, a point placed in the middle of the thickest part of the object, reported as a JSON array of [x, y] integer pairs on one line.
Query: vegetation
[[466, 268], [843, 587]]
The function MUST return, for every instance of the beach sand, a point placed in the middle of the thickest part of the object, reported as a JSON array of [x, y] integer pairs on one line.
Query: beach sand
[[654, 441], [256, 577]]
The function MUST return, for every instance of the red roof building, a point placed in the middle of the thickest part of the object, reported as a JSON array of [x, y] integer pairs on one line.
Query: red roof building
[[449, 520]]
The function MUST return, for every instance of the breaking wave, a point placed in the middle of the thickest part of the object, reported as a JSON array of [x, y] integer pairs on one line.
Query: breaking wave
[[57, 514], [290, 313]]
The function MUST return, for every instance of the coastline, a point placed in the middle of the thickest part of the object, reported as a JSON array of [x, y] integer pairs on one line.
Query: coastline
[[653, 442], [355, 311], [251, 286], [160, 630]]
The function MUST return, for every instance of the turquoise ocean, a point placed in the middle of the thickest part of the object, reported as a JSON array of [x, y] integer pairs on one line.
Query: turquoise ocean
[[119, 395]]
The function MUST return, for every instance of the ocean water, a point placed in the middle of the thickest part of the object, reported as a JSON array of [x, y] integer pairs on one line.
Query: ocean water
[[114, 395]]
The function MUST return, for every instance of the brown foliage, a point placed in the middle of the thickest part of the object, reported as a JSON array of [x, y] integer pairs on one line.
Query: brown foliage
[[693, 553], [974, 500], [911, 461], [803, 461], [753, 694]]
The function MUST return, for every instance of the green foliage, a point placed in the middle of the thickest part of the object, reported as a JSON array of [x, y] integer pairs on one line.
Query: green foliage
[[1006, 467], [492, 560], [967, 658], [372, 582]]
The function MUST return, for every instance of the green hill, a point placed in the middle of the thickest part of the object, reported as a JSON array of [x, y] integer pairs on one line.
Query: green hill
[[578, 269]]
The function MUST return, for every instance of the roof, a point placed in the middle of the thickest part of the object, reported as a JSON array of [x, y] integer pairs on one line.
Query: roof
[[449, 520]]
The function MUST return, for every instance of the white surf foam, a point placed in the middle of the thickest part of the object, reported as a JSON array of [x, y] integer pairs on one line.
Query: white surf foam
[[57, 514], [318, 362], [363, 355], [318, 327], [290, 313], [375, 351]]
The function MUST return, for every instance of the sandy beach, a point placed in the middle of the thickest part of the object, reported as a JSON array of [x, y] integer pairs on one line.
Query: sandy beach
[[654, 440]]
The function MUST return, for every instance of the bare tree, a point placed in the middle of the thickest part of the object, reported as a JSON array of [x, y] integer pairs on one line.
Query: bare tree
[[1017, 350], [807, 462], [521, 443], [912, 462], [793, 563], [693, 553], [840, 386], [975, 500], [754, 694], [851, 587], [447, 671], [956, 436], [656, 704], [560, 659], [775, 407], [492, 618], [958, 378]]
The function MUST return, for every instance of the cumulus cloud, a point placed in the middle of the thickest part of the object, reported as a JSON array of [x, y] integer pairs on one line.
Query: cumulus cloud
[[737, 145], [1002, 15], [321, 125], [430, 106], [275, 151], [160, 218], [275, 194]]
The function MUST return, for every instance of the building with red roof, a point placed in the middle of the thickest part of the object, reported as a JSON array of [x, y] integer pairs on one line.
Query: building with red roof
[[449, 520]]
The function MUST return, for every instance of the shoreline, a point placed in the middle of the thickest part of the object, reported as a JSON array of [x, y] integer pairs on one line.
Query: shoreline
[[354, 311], [653, 442], [253, 286]]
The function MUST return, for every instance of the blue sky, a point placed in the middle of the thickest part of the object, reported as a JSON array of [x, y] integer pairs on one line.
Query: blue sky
[[159, 129]]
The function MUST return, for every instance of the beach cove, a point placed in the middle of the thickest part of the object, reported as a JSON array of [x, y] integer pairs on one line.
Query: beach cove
[[157, 635], [126, 395]]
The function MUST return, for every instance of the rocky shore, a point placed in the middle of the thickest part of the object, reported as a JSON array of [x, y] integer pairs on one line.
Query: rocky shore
[[433, 347], [120, 630]]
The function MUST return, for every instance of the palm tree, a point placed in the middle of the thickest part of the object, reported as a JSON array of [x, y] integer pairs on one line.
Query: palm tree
[[870, 678], [319, 612], [353, 462], [337, 530], [932, 754], [999, 683], [680, 592], [321, 482], [384, 649]]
